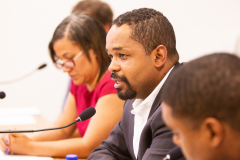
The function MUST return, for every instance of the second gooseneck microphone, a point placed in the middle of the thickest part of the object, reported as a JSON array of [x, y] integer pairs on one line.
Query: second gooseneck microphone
[[86, 114], [23, 77]]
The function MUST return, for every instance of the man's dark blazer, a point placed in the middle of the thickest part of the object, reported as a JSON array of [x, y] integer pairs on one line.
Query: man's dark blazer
[[155, 140]]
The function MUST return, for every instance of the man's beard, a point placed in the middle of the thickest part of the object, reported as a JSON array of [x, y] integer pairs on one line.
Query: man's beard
[[129, 93]]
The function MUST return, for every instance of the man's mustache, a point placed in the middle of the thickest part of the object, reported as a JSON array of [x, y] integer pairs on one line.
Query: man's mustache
[[115, 76], [123, 79]]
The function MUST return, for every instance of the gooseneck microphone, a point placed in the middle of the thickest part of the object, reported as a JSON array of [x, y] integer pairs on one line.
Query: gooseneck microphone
[[42, 66], [23, 77], [174, 154], [2, 95], [86, 114]]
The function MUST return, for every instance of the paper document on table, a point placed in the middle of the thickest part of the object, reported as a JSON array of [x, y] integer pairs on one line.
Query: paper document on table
[[17, 120], [21, 157], [19, 110]]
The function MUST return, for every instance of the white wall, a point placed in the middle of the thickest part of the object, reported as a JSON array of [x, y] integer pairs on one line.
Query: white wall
[[26, 27]]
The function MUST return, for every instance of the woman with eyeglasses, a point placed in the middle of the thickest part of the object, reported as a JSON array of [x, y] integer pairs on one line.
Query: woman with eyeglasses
[[78, 48]]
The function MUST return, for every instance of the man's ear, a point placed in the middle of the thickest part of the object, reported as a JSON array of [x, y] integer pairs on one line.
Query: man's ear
[[159, 55], [214, 131]]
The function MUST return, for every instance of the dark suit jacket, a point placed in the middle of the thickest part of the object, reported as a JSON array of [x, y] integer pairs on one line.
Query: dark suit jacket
[[155, 140]]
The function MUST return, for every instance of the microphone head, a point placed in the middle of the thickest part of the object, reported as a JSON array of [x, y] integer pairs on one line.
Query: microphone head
[[2, 95], [87, 113], [42, 66], [175, 153]]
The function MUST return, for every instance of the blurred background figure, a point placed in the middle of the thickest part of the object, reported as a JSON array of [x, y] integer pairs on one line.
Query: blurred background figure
[[201, 105], [78, 48], [99, 10]]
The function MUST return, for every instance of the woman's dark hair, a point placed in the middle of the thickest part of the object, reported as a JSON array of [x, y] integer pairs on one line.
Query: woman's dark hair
[[86, 32]]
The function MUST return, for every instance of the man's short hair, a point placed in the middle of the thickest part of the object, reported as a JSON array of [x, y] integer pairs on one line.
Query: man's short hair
[[97, 9], [150, 28], [206, 87]]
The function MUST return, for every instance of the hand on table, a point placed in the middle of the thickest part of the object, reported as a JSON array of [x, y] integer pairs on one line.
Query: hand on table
[[15, 143]]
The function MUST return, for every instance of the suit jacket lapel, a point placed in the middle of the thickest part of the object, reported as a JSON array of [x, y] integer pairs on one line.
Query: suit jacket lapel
[[131, 131], [158, 98]]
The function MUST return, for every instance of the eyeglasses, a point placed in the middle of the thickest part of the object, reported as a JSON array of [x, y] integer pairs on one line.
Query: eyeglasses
[[69, 64]]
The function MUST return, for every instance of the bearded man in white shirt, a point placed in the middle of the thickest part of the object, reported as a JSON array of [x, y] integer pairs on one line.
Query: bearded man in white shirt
[[142, 46]]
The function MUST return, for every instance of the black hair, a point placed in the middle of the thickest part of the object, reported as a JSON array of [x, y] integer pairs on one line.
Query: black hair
[[150, 28]]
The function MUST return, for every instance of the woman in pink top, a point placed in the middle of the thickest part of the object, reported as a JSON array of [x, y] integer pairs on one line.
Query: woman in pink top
[[78, 48]]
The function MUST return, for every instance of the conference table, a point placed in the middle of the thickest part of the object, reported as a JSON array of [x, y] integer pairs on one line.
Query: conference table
[[40, 124]]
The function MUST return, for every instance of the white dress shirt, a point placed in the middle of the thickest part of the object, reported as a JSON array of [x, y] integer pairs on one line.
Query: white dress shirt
[[141, 110]]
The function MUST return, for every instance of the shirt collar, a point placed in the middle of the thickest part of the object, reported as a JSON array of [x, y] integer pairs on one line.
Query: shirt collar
[[142, 108]]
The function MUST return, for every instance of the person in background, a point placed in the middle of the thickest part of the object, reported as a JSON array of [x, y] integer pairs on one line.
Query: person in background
[[78, 48], [142, 46], [201, 105], [99, 10]]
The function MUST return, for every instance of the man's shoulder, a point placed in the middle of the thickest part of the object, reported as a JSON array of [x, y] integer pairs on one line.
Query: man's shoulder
[[156, 118]]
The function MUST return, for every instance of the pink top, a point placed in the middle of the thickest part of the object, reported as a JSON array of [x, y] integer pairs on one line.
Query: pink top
[[85, 99]]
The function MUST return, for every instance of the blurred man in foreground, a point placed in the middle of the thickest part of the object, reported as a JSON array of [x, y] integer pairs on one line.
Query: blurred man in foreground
[[201, 105]]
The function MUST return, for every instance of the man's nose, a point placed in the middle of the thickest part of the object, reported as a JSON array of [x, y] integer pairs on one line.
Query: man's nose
[[114, 66]]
